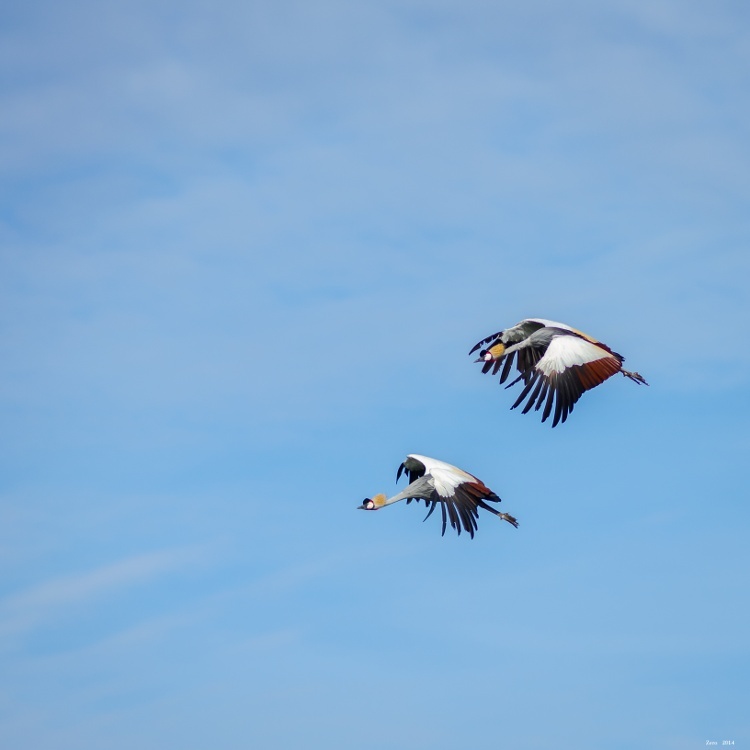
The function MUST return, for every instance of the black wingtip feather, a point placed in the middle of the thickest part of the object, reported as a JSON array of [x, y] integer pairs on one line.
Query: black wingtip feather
[[542, 395], [534, 395], [432, 508], [525, 391], [506, 368], [550, 401]]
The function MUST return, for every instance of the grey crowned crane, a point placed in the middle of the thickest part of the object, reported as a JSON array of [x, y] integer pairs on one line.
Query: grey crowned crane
[[459, 494], [557, 364]]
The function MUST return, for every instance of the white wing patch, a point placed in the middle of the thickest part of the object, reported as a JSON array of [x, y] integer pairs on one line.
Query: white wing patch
[[566, 351], [446, 482], [445, 476]]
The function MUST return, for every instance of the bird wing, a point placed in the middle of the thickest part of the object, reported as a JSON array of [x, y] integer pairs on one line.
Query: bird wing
[[513, 335], [433, 465], [460, 496], [486, 340], [518, 338], [414, 467], [559, 367]]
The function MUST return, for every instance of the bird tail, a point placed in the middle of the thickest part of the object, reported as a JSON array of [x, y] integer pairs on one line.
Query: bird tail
[[634, 376]]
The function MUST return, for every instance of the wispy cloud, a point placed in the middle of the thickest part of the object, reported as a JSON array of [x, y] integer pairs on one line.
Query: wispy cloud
[[43, 602], [243, 255]]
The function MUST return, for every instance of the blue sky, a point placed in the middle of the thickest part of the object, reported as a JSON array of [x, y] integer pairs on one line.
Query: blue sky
[[244, 250]]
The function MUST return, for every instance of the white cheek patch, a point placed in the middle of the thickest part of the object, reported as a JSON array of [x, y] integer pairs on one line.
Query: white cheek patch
[[487, 357]]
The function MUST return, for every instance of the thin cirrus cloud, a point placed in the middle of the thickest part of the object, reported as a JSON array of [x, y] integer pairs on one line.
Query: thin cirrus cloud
[[43, 603]]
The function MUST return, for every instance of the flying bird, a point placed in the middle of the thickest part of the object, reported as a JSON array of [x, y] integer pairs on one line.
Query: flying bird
[[459, 494], [556, 363]]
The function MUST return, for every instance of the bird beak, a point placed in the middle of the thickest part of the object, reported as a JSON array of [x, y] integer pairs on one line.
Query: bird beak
[[480, 359], [361, 507]]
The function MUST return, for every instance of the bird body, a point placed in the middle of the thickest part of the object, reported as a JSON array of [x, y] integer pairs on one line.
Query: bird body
[[459, 494], [557, 364]]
